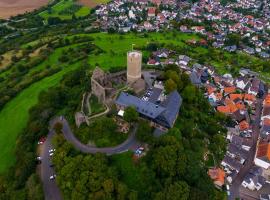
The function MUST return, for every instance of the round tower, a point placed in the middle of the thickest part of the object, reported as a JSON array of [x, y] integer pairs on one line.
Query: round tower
[[134, 66]]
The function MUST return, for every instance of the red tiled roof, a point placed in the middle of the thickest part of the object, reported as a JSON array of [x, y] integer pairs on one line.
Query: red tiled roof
[[229, 89], [235, 96], [217, 175], [263, 150], [243, 125]]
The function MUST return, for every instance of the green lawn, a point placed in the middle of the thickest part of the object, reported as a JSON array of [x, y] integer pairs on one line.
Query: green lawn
[[65, 9], [14, 116], [96, 107], [116, 46]]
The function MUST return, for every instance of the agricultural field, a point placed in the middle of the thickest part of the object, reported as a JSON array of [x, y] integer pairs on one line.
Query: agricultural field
[[14, 115], [10, 8], [65, 10]]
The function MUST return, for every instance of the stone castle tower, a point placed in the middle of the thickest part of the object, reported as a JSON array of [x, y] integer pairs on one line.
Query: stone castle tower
[[134, 66]]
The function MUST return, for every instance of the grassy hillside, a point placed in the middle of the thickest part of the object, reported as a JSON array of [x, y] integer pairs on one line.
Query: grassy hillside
[[65, 9], [14, 116]]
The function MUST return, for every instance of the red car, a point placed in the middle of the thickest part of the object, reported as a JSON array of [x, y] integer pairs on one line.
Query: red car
[[42, 140]]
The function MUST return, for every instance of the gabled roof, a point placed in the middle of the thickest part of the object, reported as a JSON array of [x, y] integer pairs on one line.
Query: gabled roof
[[263, 151], [172, 105], [166, 112], [146, 108]]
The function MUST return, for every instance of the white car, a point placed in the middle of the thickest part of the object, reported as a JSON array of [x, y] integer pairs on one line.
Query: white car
[[51, 150], [51, 154], [52, 177], [39, 158]]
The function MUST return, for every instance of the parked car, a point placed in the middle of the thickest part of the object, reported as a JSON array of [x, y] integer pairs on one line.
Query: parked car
[[39, 158], [51, 150], [51, 154], [42, 140], [52, 177]]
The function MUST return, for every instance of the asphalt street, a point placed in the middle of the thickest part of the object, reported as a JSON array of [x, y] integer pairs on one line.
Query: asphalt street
[[51, 190], [236, 184]]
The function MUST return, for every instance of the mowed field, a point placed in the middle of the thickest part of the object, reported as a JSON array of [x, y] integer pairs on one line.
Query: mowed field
[[10, 8], [65, 9]]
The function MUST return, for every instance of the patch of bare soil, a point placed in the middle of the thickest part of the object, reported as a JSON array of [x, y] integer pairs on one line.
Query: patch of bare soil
[[10, 8]]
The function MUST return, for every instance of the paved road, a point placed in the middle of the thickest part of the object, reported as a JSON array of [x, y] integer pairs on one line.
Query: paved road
[[234, 188], [51, 191], [50, 187], [125, 146]]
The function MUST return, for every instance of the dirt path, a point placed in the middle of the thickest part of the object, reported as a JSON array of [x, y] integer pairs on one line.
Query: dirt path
[[10, 8]]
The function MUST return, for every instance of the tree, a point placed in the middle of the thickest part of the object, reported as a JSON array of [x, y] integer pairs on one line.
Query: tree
[[34, 188], [176, 191], [58, 127], [131, 115], [233, 39], [170, 85], [144, 132]]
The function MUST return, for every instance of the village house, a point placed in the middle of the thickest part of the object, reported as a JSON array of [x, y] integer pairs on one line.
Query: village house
[[262, 158], [218, 176], [160, 111]]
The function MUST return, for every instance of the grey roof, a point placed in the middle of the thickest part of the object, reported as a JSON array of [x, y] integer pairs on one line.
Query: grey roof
[[172, 105], [232, 163], [184, 58], [265, 197], [195, 78], [234, 149], [155, 93], [164, 113], [146, 108], [256, 170]]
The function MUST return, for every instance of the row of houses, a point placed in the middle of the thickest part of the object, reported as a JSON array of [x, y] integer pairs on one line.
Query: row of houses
[[155, 15]]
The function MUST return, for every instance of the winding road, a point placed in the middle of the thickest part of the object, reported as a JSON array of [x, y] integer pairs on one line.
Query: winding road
[[51, 190], [125, 146]]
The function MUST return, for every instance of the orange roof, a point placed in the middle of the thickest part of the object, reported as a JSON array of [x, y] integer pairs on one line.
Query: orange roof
[[266, 121], [229, 89], [210, 89], [233, 108], [217, 175], [249, 97], [219, 95], [266, 101], [240, 106], [223, 109], [263, 150], [235, 96], [228, 101], [243, 125]]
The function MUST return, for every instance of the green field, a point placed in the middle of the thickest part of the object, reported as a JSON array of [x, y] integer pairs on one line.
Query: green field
[[14, 116], [65, 9]]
